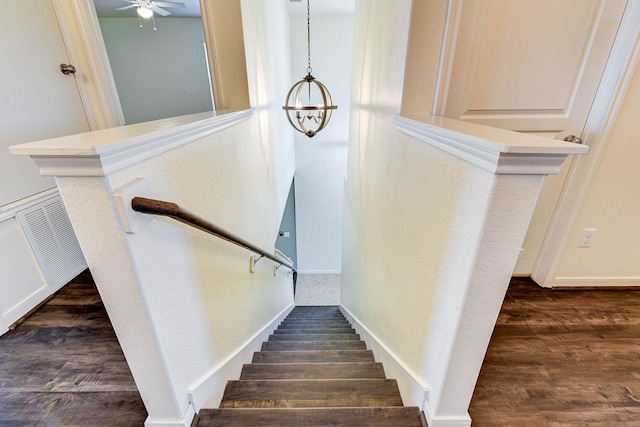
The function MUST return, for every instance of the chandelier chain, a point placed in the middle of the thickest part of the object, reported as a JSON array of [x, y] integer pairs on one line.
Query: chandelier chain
[[308, 38]]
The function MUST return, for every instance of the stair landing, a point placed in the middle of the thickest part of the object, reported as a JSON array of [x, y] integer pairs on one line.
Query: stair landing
[[313, 371]]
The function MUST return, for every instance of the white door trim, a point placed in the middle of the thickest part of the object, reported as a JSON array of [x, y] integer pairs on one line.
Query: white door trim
[[83, 40], [615, 81]]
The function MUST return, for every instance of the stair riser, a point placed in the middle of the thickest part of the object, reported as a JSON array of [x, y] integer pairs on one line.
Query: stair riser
[[329, 331], [314, 337], [313, 345], [311, 325], [313, 356], [312, 371], [370, 417], [306, 394]]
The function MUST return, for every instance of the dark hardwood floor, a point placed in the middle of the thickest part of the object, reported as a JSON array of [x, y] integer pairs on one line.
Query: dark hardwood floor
[[557, 358], [64, 367], [562, 358]]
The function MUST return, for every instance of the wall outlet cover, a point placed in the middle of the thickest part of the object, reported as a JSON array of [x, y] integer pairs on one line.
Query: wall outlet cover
[[586, 238]]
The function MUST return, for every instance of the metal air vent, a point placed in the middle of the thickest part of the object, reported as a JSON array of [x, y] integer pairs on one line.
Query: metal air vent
[[53, 241]]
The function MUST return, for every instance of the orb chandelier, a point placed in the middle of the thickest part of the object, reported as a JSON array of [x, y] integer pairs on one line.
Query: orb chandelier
[[308, 105]]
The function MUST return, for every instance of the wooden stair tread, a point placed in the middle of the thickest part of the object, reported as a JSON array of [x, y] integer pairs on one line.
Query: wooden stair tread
[[317, 309], [313, 371], [310, 393], [302, 331], [313, 345], [313, 337], [312, 314], [277, 371], [406, 416], [320, 356], [315, 324]]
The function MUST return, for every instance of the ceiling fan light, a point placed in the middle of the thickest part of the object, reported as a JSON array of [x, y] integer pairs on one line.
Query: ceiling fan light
[[145, 12]]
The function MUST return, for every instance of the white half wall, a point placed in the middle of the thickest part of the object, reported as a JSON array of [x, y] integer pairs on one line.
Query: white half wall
[[435, 214], [182, 302]]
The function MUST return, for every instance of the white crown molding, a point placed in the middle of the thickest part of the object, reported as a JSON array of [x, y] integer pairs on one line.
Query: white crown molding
[[102, 152], [495, 150]]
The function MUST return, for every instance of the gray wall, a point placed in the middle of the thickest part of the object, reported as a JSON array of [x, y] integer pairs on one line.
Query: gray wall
[[160, 73], [287, 245]]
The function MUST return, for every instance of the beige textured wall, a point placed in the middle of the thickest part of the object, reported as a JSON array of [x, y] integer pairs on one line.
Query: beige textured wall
[[222, 21], [613, 207], [425, 42]]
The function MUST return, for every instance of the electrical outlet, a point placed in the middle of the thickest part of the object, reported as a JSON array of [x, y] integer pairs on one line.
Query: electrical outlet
[[586, 238]]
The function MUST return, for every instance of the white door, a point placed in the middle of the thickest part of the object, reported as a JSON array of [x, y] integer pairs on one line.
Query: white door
[[38, 101], [531, 66]]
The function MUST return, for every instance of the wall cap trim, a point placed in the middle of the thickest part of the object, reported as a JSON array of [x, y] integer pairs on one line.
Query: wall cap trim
[[9, 211], [496, 150], [104, 151]]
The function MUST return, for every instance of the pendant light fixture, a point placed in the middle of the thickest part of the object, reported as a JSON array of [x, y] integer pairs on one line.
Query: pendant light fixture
[[308, 105]]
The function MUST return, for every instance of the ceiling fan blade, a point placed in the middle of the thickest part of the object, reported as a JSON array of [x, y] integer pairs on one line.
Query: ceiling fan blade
[[159, 11], [127, 7], [168, 4]]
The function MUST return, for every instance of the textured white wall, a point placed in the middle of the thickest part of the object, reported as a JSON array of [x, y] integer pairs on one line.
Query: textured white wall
[[430, 240], [321, 161], [612, 207], [183, 302]]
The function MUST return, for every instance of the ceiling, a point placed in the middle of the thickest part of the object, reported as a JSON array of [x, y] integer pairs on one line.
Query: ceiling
[[107, 8]]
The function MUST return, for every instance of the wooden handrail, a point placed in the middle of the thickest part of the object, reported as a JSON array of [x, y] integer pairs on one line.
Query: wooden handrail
[[172, 210]]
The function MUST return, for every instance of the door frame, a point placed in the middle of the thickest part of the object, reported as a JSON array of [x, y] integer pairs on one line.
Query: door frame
[[616, 78], [81, 34], [615, 81]]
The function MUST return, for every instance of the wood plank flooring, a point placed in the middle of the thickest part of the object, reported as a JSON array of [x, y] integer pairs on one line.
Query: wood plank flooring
[[557, 358], [64, 367], [562, 358]]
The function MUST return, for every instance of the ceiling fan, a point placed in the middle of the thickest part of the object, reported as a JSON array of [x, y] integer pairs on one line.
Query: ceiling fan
[[146, 8]]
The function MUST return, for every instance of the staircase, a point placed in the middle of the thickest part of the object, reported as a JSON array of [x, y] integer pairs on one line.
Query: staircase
[[313, 371]]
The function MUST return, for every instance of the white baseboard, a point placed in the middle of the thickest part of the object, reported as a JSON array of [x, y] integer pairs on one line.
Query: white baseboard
[[207, 393], [451, 421], [29, 303], [4, 327], [413, 390], [601, 282], [185, 421]]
